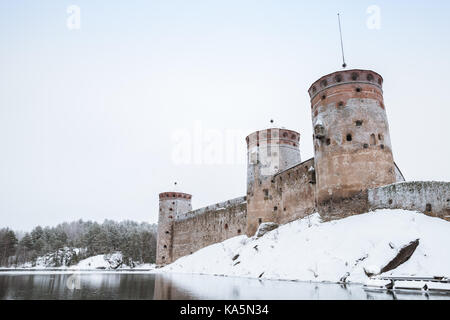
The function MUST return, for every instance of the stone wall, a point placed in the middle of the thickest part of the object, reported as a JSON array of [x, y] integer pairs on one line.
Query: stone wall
[[296, 188], [429, 197], [202, 227], [282, 198]]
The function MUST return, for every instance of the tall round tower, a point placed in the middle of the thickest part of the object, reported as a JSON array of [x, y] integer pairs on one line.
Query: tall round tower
[[171, 206], [351, 140], [268, 152]]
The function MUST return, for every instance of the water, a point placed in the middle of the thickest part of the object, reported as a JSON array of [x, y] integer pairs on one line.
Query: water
[[132, 285]]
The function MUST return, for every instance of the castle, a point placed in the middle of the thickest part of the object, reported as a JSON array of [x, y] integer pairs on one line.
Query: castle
[[352, 172]]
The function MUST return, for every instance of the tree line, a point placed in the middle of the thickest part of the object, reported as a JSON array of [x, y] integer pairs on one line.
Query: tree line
[[136, 241]]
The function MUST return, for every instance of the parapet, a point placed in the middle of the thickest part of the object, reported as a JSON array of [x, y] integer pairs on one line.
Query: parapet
[[429, 197], [174, 195], [355, 76], [273, 136], [214, 207]]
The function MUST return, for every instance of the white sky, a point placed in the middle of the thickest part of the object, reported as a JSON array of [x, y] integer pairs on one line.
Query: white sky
[[88, 116]]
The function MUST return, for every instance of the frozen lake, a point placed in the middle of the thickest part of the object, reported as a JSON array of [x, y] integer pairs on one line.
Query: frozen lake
[[145, 285]]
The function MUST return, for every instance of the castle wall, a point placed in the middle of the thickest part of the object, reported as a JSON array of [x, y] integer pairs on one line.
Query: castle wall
[[284, 197], [200, 228], [429, 197], [296, 186], [262, 204]]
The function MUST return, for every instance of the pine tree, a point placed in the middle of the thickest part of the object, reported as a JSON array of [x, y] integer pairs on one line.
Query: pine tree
[[8, 243], [137, 242]]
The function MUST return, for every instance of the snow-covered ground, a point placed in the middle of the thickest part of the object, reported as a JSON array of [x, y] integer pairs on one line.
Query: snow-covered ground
[[311, 250], [99, 262], [109, 262]]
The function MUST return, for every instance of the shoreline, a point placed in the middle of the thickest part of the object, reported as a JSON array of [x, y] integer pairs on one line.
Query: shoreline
[[152, 271], [70, 270]]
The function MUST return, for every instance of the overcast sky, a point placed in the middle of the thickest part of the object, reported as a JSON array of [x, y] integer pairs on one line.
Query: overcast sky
[[96, 121]]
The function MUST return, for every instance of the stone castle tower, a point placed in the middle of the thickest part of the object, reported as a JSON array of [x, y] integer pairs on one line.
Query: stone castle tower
[[269, 151], [171, 206], [352, 146]]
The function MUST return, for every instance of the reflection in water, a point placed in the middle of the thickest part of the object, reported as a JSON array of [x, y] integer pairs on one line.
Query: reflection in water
[[215, 287], [93, 286], [116, 285]]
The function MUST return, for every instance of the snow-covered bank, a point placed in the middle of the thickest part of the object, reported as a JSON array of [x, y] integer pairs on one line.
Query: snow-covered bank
[[311, 250], [112, 261]]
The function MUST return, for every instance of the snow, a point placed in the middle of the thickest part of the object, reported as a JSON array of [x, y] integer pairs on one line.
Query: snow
[[145, 266], [372, 269], [110, 262], [98, 262], [377, 283], [311, 250]]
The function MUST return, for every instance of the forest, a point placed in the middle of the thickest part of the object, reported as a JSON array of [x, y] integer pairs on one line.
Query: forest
[[136, 242]]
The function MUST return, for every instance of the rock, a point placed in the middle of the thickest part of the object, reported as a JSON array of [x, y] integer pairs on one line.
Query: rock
[[390, 285], [115, 260], [264, 228], [344, 277], [403, 255], [371, 270], [235, 257]]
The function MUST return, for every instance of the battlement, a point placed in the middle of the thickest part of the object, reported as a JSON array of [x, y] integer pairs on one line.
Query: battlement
[[273, 136], [174, 195], [353, 77], [214, 207]]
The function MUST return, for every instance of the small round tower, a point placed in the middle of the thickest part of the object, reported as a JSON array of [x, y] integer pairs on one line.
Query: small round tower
[[351, 140], [171, 206], [268, 151]]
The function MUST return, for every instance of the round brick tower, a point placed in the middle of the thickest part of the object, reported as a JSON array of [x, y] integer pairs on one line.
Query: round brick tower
[[351, 140], [171, 206], [268, 152]]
